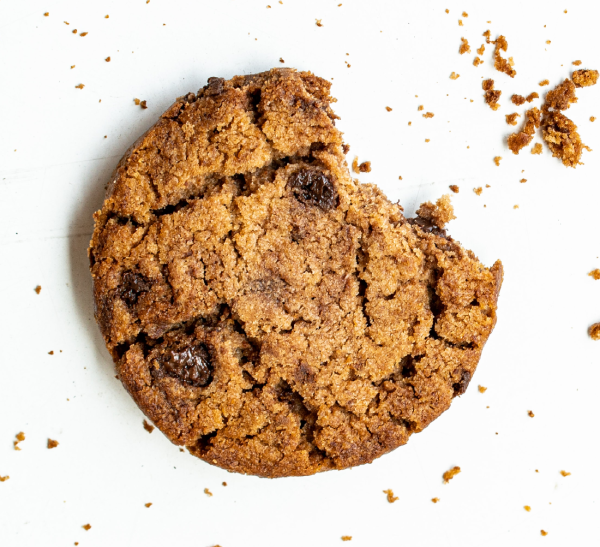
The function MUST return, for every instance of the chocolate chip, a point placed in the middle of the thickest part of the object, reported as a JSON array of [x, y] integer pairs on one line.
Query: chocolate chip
[[215, 86], [134, 284], [461, 386], [312, 187], [427, 226], [191, 365]]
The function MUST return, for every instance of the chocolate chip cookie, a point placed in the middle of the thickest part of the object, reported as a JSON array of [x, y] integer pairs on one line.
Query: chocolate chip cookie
[[265, 310]]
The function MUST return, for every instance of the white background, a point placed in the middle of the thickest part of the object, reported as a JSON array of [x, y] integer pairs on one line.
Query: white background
[[55, 162]]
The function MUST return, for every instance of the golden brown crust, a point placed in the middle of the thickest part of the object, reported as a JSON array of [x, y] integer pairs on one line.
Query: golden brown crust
[[272, 329]]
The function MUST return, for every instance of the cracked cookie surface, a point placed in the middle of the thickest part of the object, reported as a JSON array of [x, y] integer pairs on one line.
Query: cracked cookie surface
[[264, 309]]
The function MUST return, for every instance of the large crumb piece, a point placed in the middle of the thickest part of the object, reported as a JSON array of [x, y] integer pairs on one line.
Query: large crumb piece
[[531, 96], [5, 478], [562, 96], [439, 214], [52, 443], [464, 46], [390, 496], [518, 100], [595, 331], [561, 136], [595, 274], [501, 64], [450, 474], [518, 141], [585, 78], [511, 119], [565, 473], [454, 188], [537, 148]]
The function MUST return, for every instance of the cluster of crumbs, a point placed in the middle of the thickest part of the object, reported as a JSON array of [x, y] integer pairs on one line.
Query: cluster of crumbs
[[501, 64], [585, 78], [519, 140], [364, 167], [20, 438], [390, 495], [491, 95], [511, 119], [450, 474], [464, 46]]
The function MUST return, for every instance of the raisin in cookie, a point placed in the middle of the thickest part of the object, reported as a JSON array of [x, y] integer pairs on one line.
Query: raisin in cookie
[[264, 309]]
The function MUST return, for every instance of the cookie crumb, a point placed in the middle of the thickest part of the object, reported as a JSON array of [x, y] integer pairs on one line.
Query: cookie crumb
[[143, 105], [543, 532], [364, 167], [519, 140], [420, 107], [500, 64], [491, 95], [561, 136], [454, 76], [208, 492], [400, 177], [281, 60], [585, 78], [74, 31], [450, 474], [497, 160], [447, 11], [20, 438], [544, 82], [537, 148], [482, 389], [80, 86], [548, 42], [38, 289], [46, 14], [514, 207], [224, 483], [345, 148], [464, 47], [476, 62], [147, 504], [86, 527], [523, 180], [346, 538], [83, 34], [149, 428], [427, 140], [390, 495], [530, 413], [518, 100], [577, 63], [107, 59], [481, 49], [106, 17], [52, 443], [531, 96], [72, 67], [137, 102], [319, 22], [565, 473], [592, 118], [454, 188], [388, 108], [595, 274], [478, 190], [435, 500], [594, 331], [428, 115], [439, 214], [51, 352], [511, 119], [527, 508], [5, 478]]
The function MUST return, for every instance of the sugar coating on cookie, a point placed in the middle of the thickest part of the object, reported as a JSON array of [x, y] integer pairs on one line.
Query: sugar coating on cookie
[[265, 310]]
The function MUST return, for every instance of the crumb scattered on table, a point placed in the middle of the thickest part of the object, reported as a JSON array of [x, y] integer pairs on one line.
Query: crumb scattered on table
[[464, 46], [80, 86], [491, 95], [454, 188], [565, 473], [428, 115], [544, 82], [585, 78], [83, 34], [530, 413], [497, 160], [38, 289], [478, 190], [224, 483], [435, 500], [454, 76], [537, 148], [592, 118], [388, 108], [346, 538], [482, 389], [390, 495], [576, 63], [86, 527], [527, 508], [523, 180], [147, 504], [107, 59], [511, 119], [501, 64], [20, 438], [514, 207], [450, 474], [531, 96], [518, 100], [148, 427], [208, 492], [476, 62], [519, 140], [319, 22], [143, 104], [595, 274], [52, 443], [594, 331], [543, 532]]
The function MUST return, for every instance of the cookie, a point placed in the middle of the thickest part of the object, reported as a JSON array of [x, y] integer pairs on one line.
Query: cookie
[[265, 310]]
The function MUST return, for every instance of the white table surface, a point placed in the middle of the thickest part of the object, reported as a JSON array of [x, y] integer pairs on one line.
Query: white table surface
[[55, 162]]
